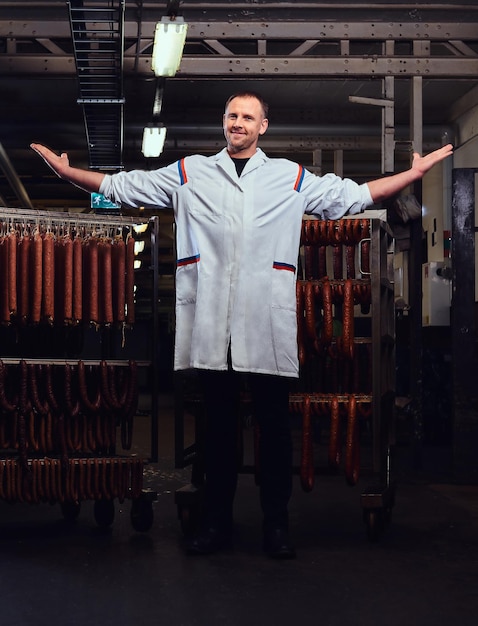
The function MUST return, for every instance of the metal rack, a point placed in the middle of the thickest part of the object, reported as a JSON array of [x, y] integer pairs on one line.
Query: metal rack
[[74, 404], [353, 411]]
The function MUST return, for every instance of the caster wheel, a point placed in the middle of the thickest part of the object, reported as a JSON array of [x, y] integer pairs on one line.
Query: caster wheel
[[104, 512], [188, 518], [374, 520], [70, 511], [142, 515]]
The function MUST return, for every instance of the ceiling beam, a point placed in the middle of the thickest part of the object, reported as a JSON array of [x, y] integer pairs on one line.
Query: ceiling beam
[[288, 29], [264, 67]]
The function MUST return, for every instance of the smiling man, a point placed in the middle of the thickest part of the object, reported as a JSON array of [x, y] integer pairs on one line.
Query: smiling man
[[244, 120], [238, 221]]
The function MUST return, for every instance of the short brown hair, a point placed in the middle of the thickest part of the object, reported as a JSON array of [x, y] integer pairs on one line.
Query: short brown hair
[[250, 94]]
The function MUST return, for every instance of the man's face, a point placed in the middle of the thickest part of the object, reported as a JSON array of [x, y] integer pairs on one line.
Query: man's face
[[243, 123]]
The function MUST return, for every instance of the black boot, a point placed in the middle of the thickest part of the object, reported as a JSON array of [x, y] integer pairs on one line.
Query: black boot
[[277, 544]]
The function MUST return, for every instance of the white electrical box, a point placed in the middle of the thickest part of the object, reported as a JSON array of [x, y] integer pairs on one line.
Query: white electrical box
[[436, 300]]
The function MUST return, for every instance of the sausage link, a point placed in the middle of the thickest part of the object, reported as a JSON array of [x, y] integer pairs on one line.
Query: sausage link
[[365, 298], [12, 272], [350, 261], [92, 283], [105, 295], [111, 378], [77, 286], [352, 448], [129, 280], [48, 288], [67, 243], [60, 277], [4, 303], [129, 408], [92, 406], [348, 320], [328, 317], [309, 262], [338, 261], [299, 290], [41, 407], [7, 404], [107, 401], [321, 262], [37, 277], [119, 269], [33, 440], [307, 476], [334, 439], [49, 432], [310, 320], [23, 277]]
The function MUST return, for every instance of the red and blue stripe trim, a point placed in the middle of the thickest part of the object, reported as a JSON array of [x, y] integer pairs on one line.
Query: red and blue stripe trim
[[188, 260], [182, 172], [277, 265], [300, 178]]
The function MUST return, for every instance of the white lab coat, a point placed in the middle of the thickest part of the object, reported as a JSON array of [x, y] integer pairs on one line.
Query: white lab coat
[[237, 251]]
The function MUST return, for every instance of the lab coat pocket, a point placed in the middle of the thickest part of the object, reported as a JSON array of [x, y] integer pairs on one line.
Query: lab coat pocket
[[283, 286], [187, 281], [284, 318]]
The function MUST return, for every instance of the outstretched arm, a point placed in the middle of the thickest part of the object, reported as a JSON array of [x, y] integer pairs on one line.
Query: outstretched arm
[[390, 185], [85, 179]]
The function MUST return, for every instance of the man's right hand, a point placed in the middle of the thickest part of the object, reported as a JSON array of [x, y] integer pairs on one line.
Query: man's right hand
[[59, 164], [85, 179]]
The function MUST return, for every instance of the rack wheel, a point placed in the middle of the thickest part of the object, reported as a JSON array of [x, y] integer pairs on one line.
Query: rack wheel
[[104, 512], [375, 521], [70, 511], [188, 518], [142, 515], [378, 503], [189, 500]]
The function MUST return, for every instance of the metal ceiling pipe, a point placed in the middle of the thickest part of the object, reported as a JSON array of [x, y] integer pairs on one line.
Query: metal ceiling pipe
[[430, 132], [14, 180]]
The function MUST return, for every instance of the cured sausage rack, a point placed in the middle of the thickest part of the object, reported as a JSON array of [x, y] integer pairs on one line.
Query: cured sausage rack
[[63, 276], [346, 339], [345, 393]]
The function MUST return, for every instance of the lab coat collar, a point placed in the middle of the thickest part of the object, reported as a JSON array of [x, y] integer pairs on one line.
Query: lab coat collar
[[225, 162]]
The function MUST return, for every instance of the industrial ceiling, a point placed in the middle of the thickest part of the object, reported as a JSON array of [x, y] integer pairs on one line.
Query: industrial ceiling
[[351, 85]]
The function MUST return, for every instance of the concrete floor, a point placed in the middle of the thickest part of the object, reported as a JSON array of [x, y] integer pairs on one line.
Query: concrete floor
[[422, 571]]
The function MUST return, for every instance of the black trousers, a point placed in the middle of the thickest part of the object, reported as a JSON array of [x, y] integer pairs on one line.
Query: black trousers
[[270, 398]]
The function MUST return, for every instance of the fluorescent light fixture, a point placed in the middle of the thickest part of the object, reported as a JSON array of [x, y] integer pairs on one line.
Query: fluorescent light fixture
[[138, 247], [169, 40], [140, 228], [153, 141]]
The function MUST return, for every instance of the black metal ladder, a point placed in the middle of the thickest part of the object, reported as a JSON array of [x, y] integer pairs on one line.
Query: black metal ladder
[[98, 41]]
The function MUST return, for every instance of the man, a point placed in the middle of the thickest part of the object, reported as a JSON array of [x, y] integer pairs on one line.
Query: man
[[238, 220]]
